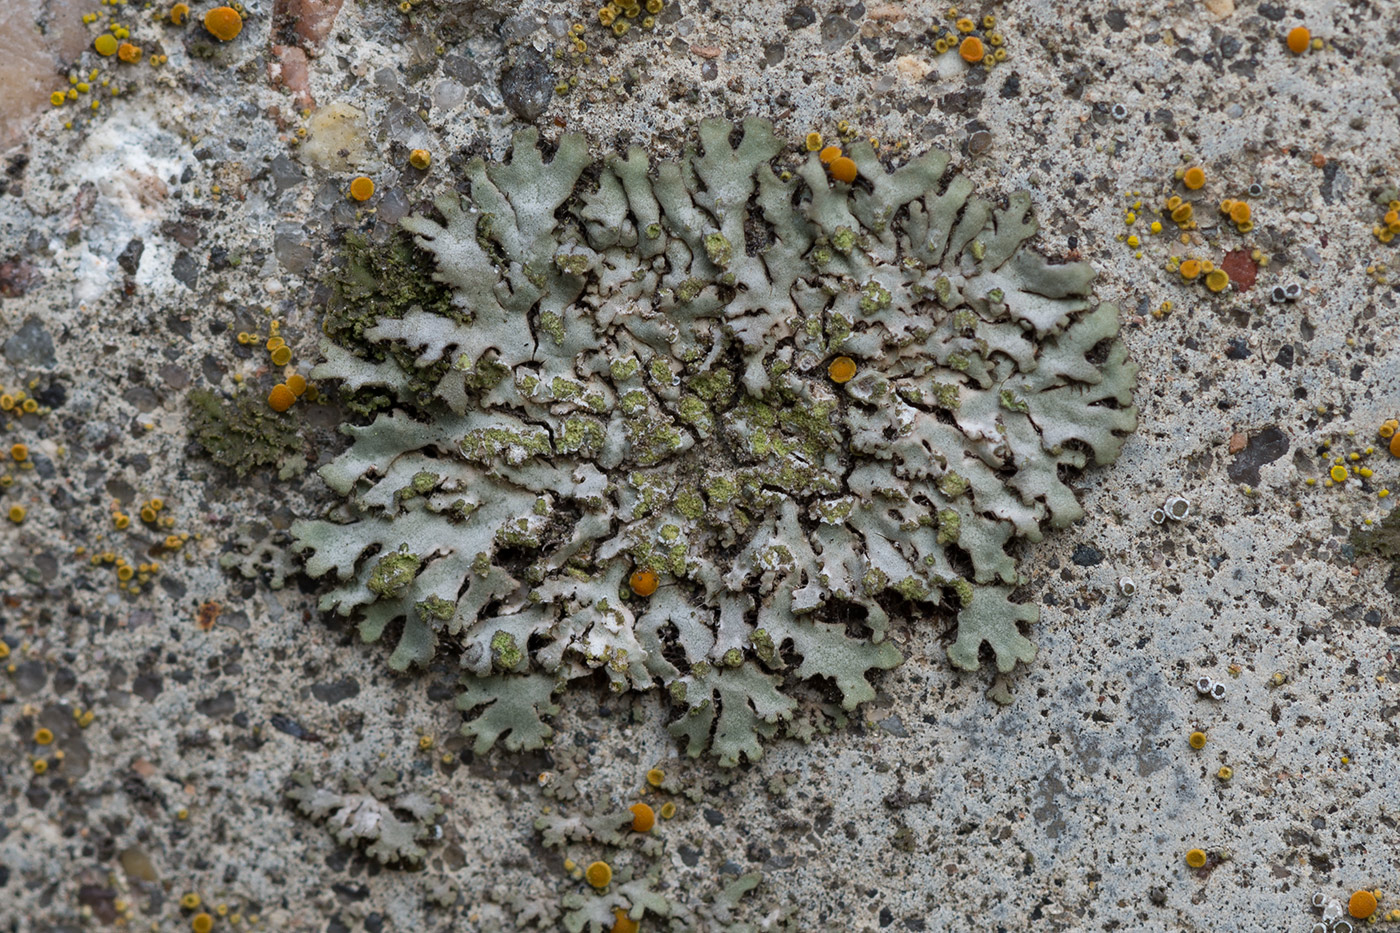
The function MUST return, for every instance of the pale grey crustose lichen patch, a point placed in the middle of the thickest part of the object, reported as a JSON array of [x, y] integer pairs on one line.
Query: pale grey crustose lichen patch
[[391, 825], [639, 380]]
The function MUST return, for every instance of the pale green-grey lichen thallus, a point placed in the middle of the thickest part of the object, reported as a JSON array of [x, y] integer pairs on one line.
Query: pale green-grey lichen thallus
[[639, 379], [389, 824]]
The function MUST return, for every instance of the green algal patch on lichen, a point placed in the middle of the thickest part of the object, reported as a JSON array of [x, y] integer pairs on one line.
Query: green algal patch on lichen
[[435, 608], [632, 389], [719, 249], [1010, 402], [393, 572], [874, 298], [505, 653], [242, 433]]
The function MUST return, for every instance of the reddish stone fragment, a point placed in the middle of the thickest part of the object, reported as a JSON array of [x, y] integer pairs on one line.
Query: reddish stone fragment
[[288, 67], [18, 276], [1239, 265], [311, 19]]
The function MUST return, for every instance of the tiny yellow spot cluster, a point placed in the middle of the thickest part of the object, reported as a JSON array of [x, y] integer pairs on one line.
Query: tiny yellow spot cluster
[[1239, 214], [618, 15], [284, 394], [1181, 212], [1353, 469], [1190, 270], [977, 42], [130, 578], [1389, 226]]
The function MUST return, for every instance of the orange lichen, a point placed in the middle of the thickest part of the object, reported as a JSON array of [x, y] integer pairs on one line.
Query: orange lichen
[[178, 13], [129, 53], [1190, 269], [1196, 858], [1298, 39], [972, 50], [1197, 740], [1217, 280], [1388, 428], [1361, 905], [224, 23], [844, 169], [296, 382], [420, 159], [362, 188], [19, 452], [202, 923], [1183, 213], [280, 398], [1395, 445], [643, 582], [842, 369], [1239, 212], [643, 818], [1194, 177], [623, 923], [829, 154], [598, 874]]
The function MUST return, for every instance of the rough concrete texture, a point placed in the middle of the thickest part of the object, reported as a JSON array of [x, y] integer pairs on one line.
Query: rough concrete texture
[[203, 201]]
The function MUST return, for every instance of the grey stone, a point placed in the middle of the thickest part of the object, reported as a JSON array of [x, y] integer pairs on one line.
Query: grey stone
[[528, 84], [31, 346]]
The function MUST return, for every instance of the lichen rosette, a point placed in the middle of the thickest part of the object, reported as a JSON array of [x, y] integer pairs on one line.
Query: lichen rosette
[[636, 374]]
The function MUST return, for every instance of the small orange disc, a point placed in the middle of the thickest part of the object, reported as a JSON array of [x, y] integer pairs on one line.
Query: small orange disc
[[362, 188], [223, 23], [643, 818], [971, 50], [1362, 905], [844, 169], [280, 398], [842, 369], [643, 582]]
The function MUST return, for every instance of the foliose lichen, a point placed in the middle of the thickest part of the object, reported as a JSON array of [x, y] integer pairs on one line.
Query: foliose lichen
[[242, 434], [389, 824], [634, 375]]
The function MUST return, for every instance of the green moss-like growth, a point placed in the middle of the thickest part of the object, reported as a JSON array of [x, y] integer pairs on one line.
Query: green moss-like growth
[[374, 281], [660, 399], [242, 433]]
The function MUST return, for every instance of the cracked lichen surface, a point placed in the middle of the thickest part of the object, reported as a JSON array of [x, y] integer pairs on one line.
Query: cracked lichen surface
[[634, 374]]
